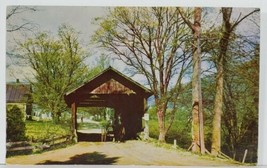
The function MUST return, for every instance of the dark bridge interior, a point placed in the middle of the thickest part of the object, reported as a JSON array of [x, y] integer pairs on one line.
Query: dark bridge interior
[[111, 89]]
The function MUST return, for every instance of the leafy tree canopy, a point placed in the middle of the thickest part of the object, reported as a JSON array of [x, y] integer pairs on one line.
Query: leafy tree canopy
[[58, 67]]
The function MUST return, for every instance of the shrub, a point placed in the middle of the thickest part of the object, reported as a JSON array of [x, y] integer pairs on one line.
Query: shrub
[[15, 124], [39, 131]]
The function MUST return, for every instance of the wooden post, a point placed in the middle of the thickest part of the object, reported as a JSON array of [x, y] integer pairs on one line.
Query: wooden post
[[53, 140], [146, 130], [245, 155], [174, 144], [74, 120], [146, 118]]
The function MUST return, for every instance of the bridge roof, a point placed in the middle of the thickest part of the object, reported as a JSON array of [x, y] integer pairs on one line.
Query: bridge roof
[[108, 83]]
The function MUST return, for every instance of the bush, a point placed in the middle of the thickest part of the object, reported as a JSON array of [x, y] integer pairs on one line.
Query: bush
[[180, 129], [39, 131], [15, 124]]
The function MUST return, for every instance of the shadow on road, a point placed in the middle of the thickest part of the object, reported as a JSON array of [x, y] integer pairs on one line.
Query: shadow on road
[[95, 158]]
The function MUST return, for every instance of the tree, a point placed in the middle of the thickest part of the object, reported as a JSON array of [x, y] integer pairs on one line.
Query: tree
[[198, 144], [227, 31], [241, 91], [15, 11], [58, 67], [151, 42], [16, 24], [101, 63]]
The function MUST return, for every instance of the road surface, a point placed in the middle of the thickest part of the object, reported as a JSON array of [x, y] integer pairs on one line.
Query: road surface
[[127, 153]]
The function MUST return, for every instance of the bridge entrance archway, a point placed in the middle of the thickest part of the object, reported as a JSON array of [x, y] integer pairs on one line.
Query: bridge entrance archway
[[115, 90]]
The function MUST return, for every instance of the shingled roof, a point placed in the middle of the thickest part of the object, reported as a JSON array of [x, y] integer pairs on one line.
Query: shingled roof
[[17, 92], [108, 82], [110, 70]]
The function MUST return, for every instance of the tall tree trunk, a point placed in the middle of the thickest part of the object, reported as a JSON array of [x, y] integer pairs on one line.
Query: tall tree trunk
[[198, 144], [218, 102], [216, 124], [160, 113], [162, 132], [197, 113], [228, 29]]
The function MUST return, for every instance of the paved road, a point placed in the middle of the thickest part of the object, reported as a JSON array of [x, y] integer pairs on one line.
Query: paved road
[[128, 153]]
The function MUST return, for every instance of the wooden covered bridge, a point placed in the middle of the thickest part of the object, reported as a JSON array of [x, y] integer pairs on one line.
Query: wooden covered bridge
[[112, 89]]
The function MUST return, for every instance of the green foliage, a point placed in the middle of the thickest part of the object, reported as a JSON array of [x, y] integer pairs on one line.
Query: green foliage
[[15, 124], [58, 65], [240, 100], [92, 111], [85, 126], [153, 129], [100, 64], [151, 42], [21, 106], [104, 124], [180, 129], [240, 116], [38, 131]]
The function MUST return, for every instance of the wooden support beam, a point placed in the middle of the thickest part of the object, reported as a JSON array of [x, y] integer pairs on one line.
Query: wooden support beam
[[74, 120]]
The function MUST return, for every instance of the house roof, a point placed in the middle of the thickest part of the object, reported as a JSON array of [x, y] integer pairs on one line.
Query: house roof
[[110, 82], [17, 92]]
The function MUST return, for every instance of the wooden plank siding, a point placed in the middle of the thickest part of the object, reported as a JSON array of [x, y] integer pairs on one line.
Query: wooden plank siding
[[112, 89]]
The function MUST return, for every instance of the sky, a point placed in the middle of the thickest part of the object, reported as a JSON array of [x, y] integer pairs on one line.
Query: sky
[[49, 18], [81, 18]]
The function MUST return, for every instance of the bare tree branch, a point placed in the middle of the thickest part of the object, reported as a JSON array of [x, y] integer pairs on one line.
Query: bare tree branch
[[15, 11]]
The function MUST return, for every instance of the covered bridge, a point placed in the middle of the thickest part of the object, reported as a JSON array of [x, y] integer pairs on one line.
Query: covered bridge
[[112, 89]]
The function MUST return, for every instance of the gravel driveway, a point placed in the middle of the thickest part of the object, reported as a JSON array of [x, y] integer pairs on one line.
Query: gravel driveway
[[128, 153]]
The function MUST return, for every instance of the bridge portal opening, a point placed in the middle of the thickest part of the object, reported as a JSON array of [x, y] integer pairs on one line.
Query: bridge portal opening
[[95, 124], [111, 89]]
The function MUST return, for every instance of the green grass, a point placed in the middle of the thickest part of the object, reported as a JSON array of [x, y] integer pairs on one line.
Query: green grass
[[40, 130], [177, 132], [84, 126]]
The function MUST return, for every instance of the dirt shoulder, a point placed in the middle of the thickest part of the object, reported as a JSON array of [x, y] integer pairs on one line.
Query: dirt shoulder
[[110, 153]]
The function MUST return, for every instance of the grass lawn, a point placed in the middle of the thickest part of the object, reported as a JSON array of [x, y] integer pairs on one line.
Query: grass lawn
[[182, 136], [41, 130], [84, 126]]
